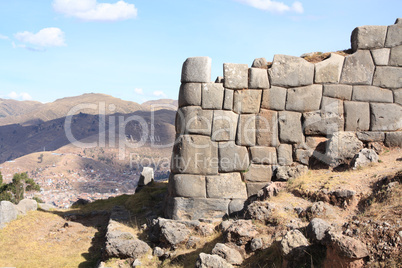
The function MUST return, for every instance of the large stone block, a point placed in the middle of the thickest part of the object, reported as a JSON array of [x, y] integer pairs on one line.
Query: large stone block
[[304, 99], [180, 208], [366, 37], [184, 185], [254, 187], [303, 156], [398, 96], [329, 70], [224, 126], [371, 136], [267, 128], [232, 157], [226, 185], [290, 128], [258, 173], [357, 116], [193, 154], [228, 100], [322, 122], [358, 69], [260, 63], [385, 116], [343, 92], [212, 96], [389, 77], [393, 139], [196, 69], [380, 56], [190, 94], [394, 35], [290, 71], [263, 155], [258, 78], [285, 155], [8, 212], [341, 148], [274, 98], [396, 56], [194, 120], [246, 130], [236, 75], [247, 101], [332, 105], [372, 94]]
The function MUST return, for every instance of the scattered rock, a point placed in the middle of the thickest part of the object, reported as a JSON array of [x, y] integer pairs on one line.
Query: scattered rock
[[364, 158], [206, 229], [256, 244], [347, 246], [174, 233], [272, 189], [293, 243], [231, 255], [284, 173], [342, 147], [158, 252], [124, 245], [211, 261], [192, 242], [240, 232], [317, 229], [26, 205], [260, 211]]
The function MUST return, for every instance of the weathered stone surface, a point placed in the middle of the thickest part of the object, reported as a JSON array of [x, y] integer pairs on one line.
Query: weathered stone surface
[[256, 244], [258, 78], [364, 158], [246, 130], [358, 69], [146, 177], [212, 96], [267, 128], [394, 35], [8, 213], [219, 79], [317, 229], [26, 205], [263, 155], [231, 255], [188, 185], [313, 142], [385, 116], [236, 206], [194, 155], [258, 173], [274, 98], [357, 116], [247, 101], [398, 21], [254, 187], [240, 232], [347, 246], [396, 56], [285, 155], [342, 147], [194, 120], [190, 94], [174, 233], [260, 211], [236, 75], [284, 173], [293, 240], [304, 99], [290, 71], [180, 208], [380, 56], [228, 100], [393, 139], [232, 157], [370, 93], [211, 261], [343, 92], [196, 69], [332, 105], [224, 125], [290, 127], [303, 156], [260, 63], [329, 70], [370, 136], [226, 185], [271, 190], [366, 37], [398, 96], [389, 77]]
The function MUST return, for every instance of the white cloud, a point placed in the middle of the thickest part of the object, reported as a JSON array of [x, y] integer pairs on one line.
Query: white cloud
[[91, 10], [19, 96], [159, 94], [274, 6], [47, 37], [3, 37], [139, 91]]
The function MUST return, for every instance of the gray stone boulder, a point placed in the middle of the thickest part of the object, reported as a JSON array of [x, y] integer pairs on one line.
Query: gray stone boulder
[[8, 212], [174, 233], [322, 122], [293, 243], [260, 63], [226, 185], [211, 261], [317, 229], [224, 126], [233, 157], [258, 78], [240, 232], [26, 205], [380, 56], [357, 116], [290, 71], [385, 116], [212, 96], [342, 92], [267, 128], [184, 185], [245, 101], [371, 136], [394, 35], [274, 98], [231, 255], [256, 244], [260, 211], [284, 173], [366, 37], [389, 77], [373, 94], [254, 187], [271, 190], [196, 69], [341, 148], [393, 139], [194, 120], [346, 246], [329, 70], [304, 99], [190, 94], [358, 69], [236, 206], [236, 75], [364, 158], [290, 127], [396, 56], [146, 177]]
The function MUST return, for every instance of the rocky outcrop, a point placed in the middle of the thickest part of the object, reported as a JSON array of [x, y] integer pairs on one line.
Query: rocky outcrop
[[8, 212]]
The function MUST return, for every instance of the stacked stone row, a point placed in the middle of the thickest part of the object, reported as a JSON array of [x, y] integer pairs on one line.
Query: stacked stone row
[[233, 134]]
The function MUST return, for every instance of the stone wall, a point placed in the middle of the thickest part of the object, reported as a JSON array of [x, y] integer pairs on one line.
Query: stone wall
[[265, 123]]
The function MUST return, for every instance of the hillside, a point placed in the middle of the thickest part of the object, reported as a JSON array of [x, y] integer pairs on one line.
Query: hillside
[[16, 108]]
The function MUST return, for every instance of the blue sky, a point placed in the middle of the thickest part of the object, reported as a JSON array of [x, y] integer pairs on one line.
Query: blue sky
[[134, 49]]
